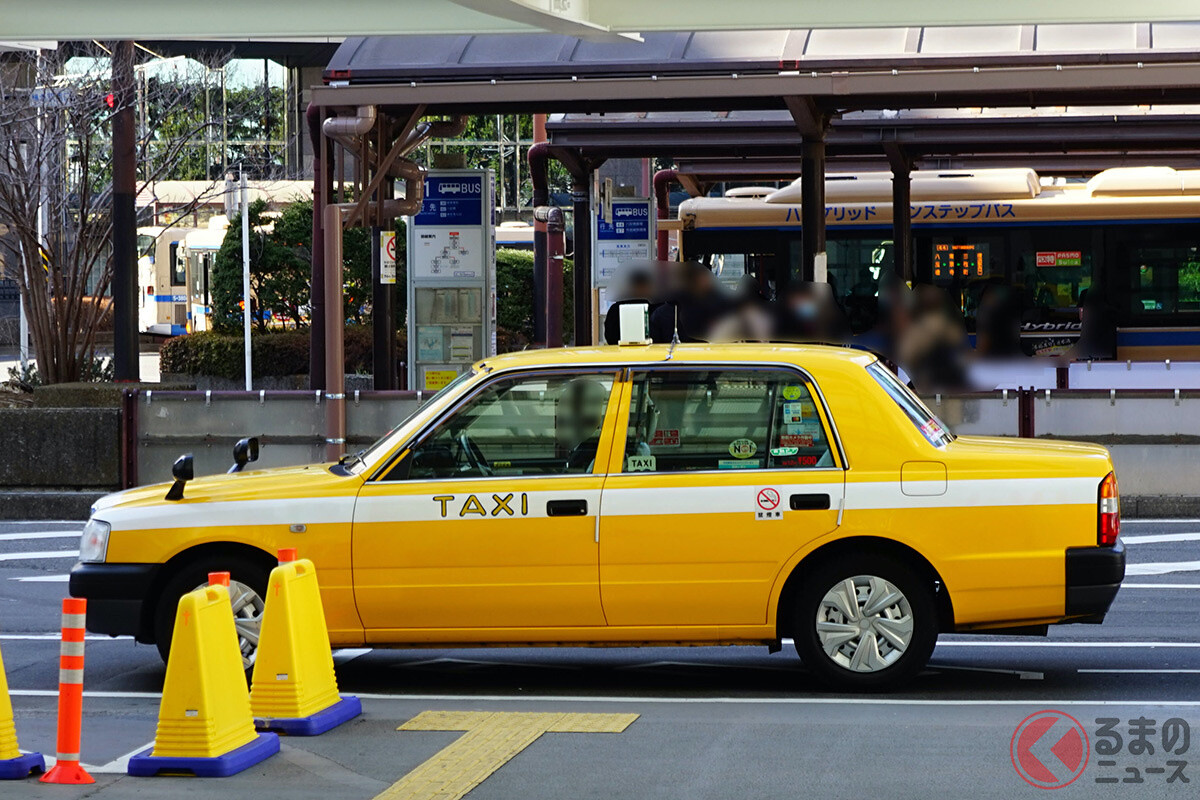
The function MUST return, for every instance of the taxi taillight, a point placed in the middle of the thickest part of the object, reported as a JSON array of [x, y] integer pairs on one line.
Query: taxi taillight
[[1109, 527]]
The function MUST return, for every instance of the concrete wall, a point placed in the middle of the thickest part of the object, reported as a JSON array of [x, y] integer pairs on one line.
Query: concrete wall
[[70, 448]]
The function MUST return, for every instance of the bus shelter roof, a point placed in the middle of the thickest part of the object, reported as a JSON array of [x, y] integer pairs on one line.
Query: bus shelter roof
[[892, 68]]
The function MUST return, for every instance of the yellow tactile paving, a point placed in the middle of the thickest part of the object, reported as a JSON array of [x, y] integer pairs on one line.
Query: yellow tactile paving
[[491, 739]]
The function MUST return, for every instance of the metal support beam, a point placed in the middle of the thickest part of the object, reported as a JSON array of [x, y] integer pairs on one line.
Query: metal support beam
[[383, 319], [812, 210], [902, 237], [322, 196], [124, 217], [581, 199], [335, 354]]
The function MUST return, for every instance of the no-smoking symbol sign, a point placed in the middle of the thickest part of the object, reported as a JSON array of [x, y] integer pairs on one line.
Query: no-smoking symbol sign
[[387, 257], [767, 501]]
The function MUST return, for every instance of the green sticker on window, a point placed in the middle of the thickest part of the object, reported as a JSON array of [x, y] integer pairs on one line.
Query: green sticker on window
[[784, 451], [742, 448], [793, 392]]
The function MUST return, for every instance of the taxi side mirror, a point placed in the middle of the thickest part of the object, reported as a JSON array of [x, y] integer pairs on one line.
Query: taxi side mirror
[[245, 451], [183, 471]]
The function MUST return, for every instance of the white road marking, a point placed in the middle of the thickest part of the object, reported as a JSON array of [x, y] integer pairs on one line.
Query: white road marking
[[1143, 671], [1160, 585], [1154, 538], [1162, 567], [1149, 645], [633, 701], [16, 537], [43, 579], [120, 764], [39, 555]]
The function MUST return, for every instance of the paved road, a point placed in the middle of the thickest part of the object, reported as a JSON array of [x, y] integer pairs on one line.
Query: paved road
[[712, 722]]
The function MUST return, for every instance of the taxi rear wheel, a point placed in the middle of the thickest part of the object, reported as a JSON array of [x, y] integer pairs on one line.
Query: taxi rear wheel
[[247, 590], [865, 622]]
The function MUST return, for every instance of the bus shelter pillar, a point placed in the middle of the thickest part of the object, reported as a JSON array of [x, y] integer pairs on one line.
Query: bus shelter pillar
[[322, 180], [539, 175], [812, 209], [581, 199], [902, 238], [335, 329]]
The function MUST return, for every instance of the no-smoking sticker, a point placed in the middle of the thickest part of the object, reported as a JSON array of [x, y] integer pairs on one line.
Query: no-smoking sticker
[[767, 504]]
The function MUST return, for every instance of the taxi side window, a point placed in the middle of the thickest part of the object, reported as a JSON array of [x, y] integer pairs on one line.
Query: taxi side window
[[546, 424], [685, 420]]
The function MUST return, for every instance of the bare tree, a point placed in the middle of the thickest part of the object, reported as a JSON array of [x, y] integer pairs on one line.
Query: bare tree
[[56, 186]]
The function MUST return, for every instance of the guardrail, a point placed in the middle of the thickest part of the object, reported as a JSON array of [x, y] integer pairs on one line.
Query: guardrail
[[290, 425], [1153, 434]]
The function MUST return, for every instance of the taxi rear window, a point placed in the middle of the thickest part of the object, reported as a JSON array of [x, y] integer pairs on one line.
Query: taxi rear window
[[932, 428]]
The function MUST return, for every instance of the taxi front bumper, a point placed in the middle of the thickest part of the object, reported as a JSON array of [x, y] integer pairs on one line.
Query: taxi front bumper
[[1094, 576], [116, 594]]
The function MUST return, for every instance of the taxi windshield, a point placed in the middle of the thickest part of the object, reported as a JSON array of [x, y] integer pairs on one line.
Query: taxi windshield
[[932, 428], [367, 459]]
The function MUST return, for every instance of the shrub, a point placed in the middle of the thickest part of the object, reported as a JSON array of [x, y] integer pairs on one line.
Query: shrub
[[275, 354], [514, 293]]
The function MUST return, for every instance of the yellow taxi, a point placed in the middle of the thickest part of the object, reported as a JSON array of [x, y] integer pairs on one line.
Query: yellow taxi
[[645, 495]]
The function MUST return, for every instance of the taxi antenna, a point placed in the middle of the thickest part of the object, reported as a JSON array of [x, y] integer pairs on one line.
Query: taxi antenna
[[674, 335]]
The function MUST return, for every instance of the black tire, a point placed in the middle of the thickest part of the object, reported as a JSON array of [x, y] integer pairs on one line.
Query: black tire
[[194, 574], [901, 665]]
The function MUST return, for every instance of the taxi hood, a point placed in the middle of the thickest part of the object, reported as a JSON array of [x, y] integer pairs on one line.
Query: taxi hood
[[275, 483]]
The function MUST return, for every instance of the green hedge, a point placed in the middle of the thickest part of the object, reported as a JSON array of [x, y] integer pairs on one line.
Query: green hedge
[[514, 294], [277, 353]]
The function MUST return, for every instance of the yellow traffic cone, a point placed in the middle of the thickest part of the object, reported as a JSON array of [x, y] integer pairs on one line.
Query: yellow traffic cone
[[294, 689], [13, 763], [204, 722]]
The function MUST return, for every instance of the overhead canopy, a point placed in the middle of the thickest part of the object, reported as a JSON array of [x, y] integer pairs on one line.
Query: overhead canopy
[[1117, 64], [600, 19], [764, 145]]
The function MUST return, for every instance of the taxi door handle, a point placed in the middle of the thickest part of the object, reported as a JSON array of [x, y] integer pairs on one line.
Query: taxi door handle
[[809, 502], [566, 508]]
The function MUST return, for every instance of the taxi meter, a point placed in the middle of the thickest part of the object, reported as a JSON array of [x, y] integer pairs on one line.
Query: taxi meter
[[451, 277]]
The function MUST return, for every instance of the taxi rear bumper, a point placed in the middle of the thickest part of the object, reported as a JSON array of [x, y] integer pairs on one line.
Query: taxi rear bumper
[[1094, 576], [116, 594]]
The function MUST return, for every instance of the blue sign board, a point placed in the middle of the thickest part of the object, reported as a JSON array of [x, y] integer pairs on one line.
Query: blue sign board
[[452, 200], [630, 220]]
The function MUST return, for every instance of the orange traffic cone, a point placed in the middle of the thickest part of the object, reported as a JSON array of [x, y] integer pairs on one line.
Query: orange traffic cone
[[67, 769]]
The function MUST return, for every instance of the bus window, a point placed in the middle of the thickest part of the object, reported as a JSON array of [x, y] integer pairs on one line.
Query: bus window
[[855, 266], [1166, 279], [145, 245], [1054, 267], [178, 266]]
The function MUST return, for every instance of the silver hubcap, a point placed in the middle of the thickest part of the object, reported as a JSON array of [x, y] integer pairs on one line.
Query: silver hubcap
[[247, 618], [864, 623]]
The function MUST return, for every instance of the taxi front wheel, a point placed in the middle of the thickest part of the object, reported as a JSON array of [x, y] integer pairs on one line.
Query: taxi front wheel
[[865, 622], [247, 588]]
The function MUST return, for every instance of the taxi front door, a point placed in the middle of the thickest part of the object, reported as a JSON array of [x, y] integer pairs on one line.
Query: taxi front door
[[490, 520]]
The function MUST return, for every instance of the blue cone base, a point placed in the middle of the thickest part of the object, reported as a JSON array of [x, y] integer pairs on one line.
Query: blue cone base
[[343, 710], [265, 745], [14, 769]]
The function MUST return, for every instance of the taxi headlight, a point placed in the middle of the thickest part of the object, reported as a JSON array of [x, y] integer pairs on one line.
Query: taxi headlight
[[93, 546]]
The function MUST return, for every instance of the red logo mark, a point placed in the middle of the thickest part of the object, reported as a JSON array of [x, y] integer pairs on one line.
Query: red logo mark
[[1049, 749], [768, 499]]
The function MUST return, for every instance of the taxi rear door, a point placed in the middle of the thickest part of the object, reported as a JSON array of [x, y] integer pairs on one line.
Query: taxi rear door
[[489, 519], [719, 475]]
